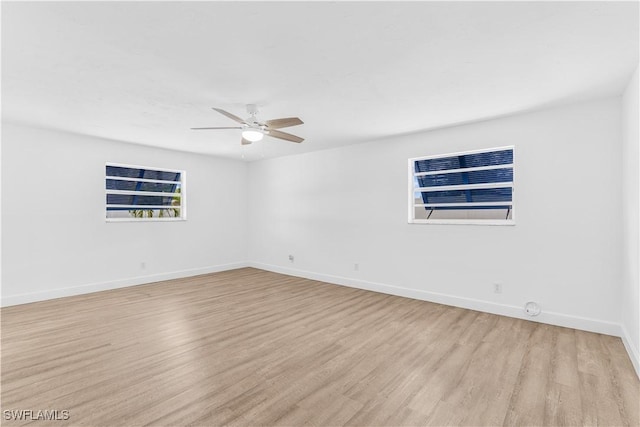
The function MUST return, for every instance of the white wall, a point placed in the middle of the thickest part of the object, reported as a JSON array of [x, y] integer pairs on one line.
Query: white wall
[[334, 208], [55, 239], [630, 221]]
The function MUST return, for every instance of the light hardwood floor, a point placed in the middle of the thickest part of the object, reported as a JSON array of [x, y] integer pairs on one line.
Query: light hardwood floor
[[249, 347]]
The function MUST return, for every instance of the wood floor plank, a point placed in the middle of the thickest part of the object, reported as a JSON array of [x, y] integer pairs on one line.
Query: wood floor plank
[[249, 347], [595, 381], [527, 405], [563, 407], [619, 365]]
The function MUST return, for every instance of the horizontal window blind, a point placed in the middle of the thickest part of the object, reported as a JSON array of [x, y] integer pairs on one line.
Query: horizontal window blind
[[135, 192], [477, 185]]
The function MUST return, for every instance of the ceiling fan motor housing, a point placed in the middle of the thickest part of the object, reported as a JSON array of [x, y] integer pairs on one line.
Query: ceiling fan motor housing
[[252, 109]]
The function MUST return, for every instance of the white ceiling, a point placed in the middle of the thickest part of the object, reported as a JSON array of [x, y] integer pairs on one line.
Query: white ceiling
[[145, 72]]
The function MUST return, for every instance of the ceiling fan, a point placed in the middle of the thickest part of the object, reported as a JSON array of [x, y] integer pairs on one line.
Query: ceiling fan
[[253, 129]]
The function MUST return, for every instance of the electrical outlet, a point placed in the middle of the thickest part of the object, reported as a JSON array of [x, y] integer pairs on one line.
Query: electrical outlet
[[143, 265], [356, 266], [291, 258], [497, 288]]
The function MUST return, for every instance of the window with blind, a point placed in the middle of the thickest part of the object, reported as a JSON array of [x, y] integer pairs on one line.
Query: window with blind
[[144, 193], [472, 187]]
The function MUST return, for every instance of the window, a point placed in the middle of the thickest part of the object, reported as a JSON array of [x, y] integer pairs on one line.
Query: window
[[473, 187], [144, 193]]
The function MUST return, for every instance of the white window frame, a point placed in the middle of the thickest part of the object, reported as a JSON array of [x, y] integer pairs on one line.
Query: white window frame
[[183, 192], [412, 189]]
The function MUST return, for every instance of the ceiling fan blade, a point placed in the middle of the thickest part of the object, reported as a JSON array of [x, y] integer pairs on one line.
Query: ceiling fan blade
[[234, 127], [284, 123], [245, 141], [231, 116], [283, 135]]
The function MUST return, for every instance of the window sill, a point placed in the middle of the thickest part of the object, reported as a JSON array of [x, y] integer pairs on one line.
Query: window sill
[[464, 221], [144, 219]]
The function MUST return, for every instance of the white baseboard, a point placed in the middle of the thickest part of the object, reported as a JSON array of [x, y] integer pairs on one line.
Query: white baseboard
[[557, 319], [113, 284], [632, 350]]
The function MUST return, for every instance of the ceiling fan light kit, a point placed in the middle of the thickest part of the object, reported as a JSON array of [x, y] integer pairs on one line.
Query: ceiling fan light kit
[[253, 130], [252, 135]]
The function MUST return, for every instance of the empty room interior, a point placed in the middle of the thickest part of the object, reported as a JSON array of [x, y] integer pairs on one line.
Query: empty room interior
[[320, 213]]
